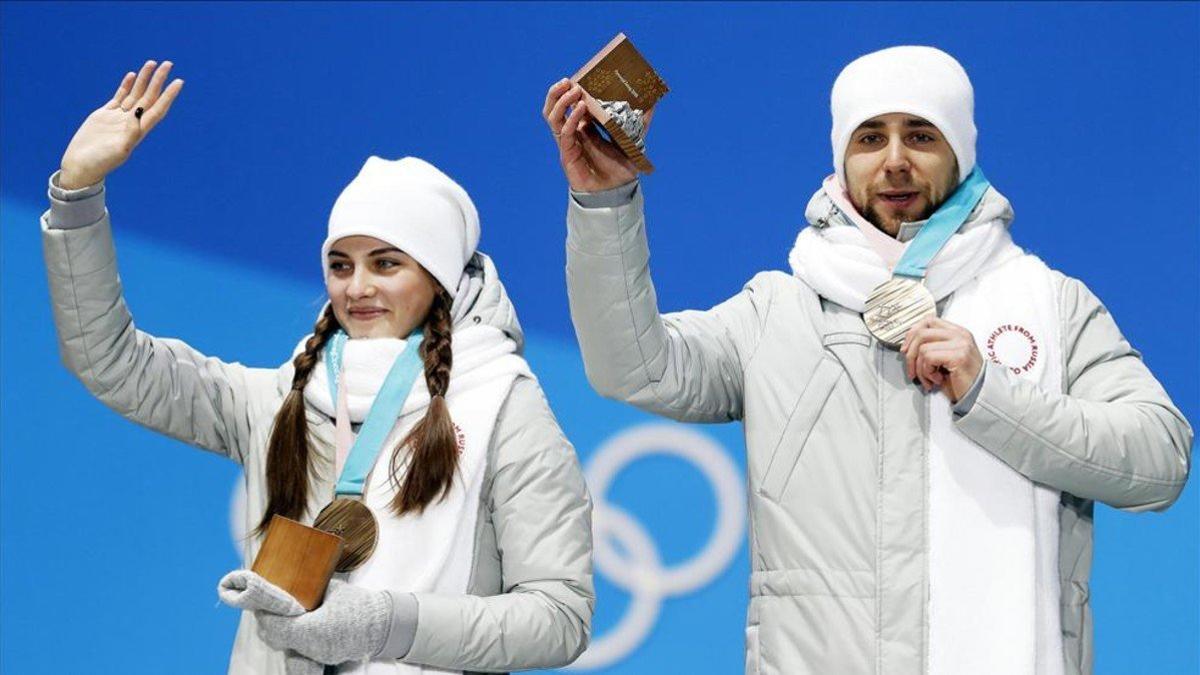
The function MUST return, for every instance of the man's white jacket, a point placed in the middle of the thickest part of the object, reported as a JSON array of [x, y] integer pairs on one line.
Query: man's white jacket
[[838, 442]]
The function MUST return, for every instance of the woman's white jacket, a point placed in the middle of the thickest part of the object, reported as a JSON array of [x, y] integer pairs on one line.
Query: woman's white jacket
[[530, 597]]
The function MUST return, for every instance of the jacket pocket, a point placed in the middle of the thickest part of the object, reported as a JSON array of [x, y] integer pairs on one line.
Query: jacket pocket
[[799, 426], [752, 657]]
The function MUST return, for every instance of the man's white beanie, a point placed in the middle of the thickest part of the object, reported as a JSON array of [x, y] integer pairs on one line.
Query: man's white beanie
[[920, 81], [413, 206]]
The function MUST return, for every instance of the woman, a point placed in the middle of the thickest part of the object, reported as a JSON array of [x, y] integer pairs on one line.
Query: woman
[[482, 553]]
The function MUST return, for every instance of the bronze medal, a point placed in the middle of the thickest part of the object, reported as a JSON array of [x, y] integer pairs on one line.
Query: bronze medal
[[895, 307], [351, 520]]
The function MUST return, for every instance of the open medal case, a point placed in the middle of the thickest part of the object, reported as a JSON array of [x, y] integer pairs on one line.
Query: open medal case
[[620, 91]]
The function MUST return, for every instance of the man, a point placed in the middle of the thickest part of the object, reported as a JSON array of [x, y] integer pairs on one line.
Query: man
[[921, 484]]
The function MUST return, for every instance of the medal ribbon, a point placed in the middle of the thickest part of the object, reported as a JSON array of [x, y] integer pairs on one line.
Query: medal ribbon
[[383, 413], [941, 226]]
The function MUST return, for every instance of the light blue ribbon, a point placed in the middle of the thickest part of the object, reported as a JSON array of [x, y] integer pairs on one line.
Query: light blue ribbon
[[942, 225], [385, 409]]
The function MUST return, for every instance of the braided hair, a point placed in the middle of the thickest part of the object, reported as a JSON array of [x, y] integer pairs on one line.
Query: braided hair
[[288, 448], [433, 443]]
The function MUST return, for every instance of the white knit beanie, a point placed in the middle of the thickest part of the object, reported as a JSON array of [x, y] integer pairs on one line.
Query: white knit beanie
[[413, 206], [921, 81]]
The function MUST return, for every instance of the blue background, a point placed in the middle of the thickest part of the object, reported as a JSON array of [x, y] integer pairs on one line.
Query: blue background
[[113, 537]]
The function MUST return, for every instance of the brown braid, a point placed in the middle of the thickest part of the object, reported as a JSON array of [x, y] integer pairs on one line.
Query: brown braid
[[288, 449], [433, 443]]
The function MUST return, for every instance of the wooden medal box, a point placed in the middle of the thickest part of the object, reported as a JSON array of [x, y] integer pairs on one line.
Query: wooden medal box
[[620, 73], [299, 559]]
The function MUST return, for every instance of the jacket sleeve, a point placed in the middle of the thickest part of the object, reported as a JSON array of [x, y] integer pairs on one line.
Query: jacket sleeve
[[684, 365], [1114, 437], [541, 513], [160, 383]]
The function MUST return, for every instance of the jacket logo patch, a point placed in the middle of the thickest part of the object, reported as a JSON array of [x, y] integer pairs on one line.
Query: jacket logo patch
[[460, 439], [1013, 347]]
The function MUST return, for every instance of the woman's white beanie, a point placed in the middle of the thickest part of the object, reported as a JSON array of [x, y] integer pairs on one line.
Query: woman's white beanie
[[921, 81], [413, 206]]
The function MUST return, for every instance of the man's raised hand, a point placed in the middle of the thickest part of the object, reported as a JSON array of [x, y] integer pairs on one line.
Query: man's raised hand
[[590, 162]]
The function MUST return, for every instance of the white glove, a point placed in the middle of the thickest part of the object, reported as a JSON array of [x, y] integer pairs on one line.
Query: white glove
[[351, 624]]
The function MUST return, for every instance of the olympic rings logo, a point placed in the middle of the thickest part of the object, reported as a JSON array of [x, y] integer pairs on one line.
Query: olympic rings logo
[[639, 571]]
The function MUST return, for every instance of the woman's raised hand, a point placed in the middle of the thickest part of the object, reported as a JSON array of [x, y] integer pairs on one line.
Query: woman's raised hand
[[109, 135], [590, 162]]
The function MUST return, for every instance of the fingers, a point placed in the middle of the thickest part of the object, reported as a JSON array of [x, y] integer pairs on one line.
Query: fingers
[[927, 330], [574, 131], [139, 86], [155, 113], [155, 87], [574, 159], [934, 350], [122, 91], [920, 371], [575, 120], [930, 327], [933, 364], [910, 346], [556, 117], [918, 337], [555, 92]]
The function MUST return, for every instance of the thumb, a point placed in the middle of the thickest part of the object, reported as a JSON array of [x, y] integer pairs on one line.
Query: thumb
[[247, 590]]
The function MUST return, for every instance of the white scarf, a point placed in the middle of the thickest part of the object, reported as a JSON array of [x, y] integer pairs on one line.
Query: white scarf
[[837, 259], [431, 552], [993, 534]]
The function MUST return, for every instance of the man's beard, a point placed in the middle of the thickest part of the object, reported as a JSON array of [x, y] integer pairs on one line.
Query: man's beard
[[878, 221]]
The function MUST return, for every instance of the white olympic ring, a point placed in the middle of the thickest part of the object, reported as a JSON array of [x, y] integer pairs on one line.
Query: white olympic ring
[[639, 570]]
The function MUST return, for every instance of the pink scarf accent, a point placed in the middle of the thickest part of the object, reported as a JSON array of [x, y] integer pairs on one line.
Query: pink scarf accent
[[888, 248], [342, 435]]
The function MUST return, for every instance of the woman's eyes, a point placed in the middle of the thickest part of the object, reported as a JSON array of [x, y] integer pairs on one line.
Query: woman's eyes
[[380, 264]]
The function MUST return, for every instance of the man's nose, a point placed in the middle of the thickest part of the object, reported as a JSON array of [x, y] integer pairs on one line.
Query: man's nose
[[897, 160]]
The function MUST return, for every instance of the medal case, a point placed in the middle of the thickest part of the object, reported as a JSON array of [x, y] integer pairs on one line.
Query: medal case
[[619, 73], [299, 559]]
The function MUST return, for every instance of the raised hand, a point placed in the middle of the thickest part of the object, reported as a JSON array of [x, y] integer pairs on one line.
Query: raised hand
[[109, 135], [590, 162]]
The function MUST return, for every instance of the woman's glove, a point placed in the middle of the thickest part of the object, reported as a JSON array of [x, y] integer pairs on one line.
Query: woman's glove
[[351, 624], [246, 590], [295, 664]]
